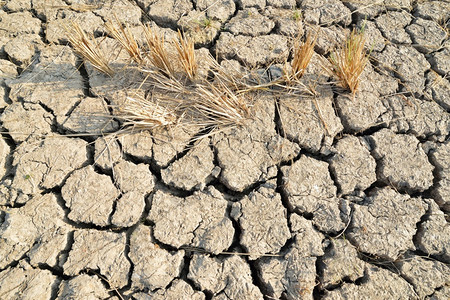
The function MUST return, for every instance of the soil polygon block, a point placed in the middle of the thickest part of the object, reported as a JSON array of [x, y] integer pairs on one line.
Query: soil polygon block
[[3, 95], [385, 226], [433, 236], [293, 276], [379, 284], [133, 178], [441, 192], [220, 10], [401, 161], [25, 283], [17, 5], [260, 4], [166, 13], [192, 170], [250, 22], [263, 221], [424, 119], [199, 220], [440, 61], [56, 32], [102, 251], [89, 196], [376, 81], [341, 262], [44, 166], [47, 9], [310, 189], [125, 11], [438, 88], [433, 10], [167, 143], [82, 287], [107, 152], [137, 144], [282, 3], [360, 113], [287, 21], [8, 70], [205, 63], [362, 11], [154, 267], [427, 35], [178, 289], [272, 47], [329, 38], [406, 63], [228, 278], [352, 165], [392, 25], [18, 23], [90, 116], [308, 120], [375, 41], [129, 209], [426, 275], [365, 108], [21, 50], [441, 294], [47, 217], [307, 239], [4, 154], [256, 146], [25, 120], [17, 237], [326, 12], [199, 28], [54, 81]]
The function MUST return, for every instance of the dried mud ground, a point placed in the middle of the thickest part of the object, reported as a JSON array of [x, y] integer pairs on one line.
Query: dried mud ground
[[314, 198]]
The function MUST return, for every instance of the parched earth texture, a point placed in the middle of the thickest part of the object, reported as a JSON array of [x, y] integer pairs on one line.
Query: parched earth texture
[[323, 197]]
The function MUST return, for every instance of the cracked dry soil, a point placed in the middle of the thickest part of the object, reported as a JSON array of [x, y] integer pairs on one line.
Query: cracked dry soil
[[315, 198]]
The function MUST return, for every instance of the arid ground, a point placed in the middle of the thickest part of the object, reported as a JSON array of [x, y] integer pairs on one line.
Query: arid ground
[[318, 196]]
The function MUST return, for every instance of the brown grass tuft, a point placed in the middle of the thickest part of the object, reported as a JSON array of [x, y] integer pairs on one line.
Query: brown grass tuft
[[185, 50], [302, 55], [349, 61], [157, 53], [125, 39], [88, 49]]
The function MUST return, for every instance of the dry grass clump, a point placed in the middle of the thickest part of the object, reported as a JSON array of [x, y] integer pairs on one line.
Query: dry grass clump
[[302, 54], [185, 50], [349, 60], [86, 47], [182, 97], [157, 53], [126, 40]]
